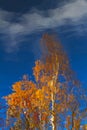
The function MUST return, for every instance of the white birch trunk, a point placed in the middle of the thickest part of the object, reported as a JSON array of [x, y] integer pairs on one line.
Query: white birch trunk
[[43, 125], [53, 83], [52, 116]]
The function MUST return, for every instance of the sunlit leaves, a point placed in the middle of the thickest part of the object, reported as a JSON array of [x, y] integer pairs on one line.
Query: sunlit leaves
[[51, 97]]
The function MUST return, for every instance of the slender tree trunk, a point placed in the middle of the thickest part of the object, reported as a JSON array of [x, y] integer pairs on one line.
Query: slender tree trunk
[[52, 116], [53, 83], [43, 125]]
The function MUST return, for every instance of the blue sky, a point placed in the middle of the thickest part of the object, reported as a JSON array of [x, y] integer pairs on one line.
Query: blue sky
[[22, 24]]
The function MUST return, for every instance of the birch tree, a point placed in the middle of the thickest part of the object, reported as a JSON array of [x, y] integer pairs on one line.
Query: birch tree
[[51, 97]]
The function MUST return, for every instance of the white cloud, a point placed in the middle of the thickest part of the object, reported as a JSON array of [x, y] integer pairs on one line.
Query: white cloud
[[34, 21]]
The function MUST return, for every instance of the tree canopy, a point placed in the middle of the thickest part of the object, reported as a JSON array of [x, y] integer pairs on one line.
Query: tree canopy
[[53, 100]]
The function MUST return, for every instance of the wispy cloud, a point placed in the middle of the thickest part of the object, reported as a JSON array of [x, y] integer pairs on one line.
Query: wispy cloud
[[70, 13]]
